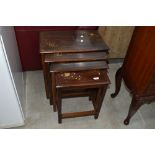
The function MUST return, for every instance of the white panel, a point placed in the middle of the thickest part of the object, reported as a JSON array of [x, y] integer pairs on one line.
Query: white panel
[[10, 111], [10, 45]]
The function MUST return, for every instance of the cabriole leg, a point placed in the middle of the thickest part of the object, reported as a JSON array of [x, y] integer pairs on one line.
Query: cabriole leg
[[118, 80], [134, 106]]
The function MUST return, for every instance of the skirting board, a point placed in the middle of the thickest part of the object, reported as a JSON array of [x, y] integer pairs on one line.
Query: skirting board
[[11, 125]]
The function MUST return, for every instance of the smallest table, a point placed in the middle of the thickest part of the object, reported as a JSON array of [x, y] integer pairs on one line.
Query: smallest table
[[92, 79]]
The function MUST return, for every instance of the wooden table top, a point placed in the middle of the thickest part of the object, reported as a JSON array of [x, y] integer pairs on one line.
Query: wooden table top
[[76, 57], [96, 78], [78, 66], [71, 41]]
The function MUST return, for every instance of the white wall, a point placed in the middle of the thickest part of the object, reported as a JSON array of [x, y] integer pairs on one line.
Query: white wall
[[12, 90]]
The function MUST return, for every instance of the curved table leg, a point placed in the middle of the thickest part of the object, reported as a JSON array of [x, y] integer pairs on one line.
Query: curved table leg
[[118, 80], [134, 106]]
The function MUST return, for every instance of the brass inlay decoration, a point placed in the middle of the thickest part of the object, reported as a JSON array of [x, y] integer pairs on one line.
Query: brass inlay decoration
[[58, 54], [71, 76], [66, 74], [86, 34], [91, 34], [52, 46], [96, 78]]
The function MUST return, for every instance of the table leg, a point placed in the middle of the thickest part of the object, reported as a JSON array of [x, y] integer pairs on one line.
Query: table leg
[[118, 80], [45, 67], [99, 100], [134, 106], [53, 91], [59, 105]]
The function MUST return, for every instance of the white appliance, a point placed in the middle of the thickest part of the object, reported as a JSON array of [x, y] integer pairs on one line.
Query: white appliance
[[12, 90]]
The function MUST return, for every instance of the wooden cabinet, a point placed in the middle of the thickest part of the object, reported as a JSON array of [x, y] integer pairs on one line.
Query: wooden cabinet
[[138, 70], [117, 38]]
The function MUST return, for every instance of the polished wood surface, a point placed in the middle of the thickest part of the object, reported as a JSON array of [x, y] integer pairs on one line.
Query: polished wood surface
[[78, 66], [150, 89], [140, 60], [71, 41], [80, 79], [75, 57], [138, 70]]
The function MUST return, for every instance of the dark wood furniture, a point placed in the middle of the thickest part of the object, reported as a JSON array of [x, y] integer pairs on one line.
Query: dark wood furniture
[[28, 42], [54, 45], [73, 67], [94, 81], [77, 61], [138, 70]]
